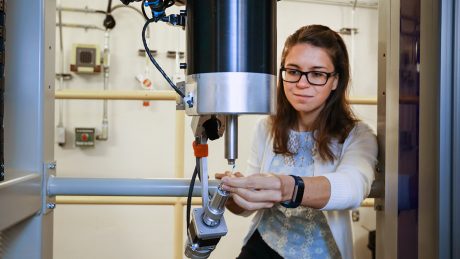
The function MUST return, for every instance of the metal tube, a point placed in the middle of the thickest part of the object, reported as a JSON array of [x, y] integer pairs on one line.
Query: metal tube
[[80, 10], [124, 187], [179, 173], [231, 138], [61, 60], [125, 200], [81, 26], [105, 118], [159, 95]]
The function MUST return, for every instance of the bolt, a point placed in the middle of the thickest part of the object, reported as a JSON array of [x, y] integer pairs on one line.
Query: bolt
[[51, 205], [52, 165]]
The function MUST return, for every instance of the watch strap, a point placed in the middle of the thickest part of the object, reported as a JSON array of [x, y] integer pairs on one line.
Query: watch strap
[[297, 194]]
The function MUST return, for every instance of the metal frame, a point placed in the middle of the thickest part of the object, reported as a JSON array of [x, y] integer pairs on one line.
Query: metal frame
[[387, 128], [429, 161], [449, 134], [27, 230]]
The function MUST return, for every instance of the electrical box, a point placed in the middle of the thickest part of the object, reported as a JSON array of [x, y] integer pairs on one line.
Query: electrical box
[[84, 137], [85, 58]]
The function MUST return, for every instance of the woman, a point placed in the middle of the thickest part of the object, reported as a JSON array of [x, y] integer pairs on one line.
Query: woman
[[311, 162]]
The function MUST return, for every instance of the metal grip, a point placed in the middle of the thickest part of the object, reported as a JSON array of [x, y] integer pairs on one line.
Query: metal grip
[[214, 211]]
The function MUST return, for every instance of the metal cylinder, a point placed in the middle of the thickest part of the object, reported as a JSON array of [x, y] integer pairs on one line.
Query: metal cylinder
[[231, 56], [123, 187], [214, 210], [231, 138]]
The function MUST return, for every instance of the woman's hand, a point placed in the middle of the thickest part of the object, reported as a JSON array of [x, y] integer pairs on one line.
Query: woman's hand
[[259, 191], [219, 176]]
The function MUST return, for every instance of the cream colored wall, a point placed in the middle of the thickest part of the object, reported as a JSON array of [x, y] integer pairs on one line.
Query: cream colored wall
[[141, 143]]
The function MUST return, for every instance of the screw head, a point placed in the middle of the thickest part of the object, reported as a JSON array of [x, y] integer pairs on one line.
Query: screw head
[[52, 165]]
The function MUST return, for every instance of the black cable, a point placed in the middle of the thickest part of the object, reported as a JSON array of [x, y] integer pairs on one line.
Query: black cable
[[169, 3], [109, 7], [147, 50], [190, 190], [143, 10]]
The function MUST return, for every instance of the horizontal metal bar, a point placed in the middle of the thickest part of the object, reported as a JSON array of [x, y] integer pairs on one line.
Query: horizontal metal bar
[[369, 202], [80, 10], [130, 200], [359, 4], [124, 187], [362, 101], [162, 95], [20, 197], [81, 26], [123, 200]]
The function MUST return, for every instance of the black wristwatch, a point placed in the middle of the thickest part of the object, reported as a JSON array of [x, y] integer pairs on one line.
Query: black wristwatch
[[297, 194]]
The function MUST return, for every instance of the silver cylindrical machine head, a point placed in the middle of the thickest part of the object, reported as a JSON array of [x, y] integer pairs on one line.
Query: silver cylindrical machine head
[[231, 138], [231, 57]]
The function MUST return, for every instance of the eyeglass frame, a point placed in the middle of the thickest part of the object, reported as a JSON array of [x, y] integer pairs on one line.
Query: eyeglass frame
[[328, 74]]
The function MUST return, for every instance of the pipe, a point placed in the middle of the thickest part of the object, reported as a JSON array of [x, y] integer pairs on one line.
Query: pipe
[[362, 101], [338, 3], [124, 200], [179, 173], [81, 26], [123, 187], [61, 60], [160, 95], [80, 10], [368, 202], [136, 200], [105, 117]]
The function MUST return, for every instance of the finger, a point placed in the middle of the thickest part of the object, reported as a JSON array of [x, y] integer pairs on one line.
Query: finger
[[254, 182], [238, 174], [258, 195], [219, 176], [251, 205]]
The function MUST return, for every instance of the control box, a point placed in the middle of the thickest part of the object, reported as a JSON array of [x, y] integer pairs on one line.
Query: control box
[[84, 137]]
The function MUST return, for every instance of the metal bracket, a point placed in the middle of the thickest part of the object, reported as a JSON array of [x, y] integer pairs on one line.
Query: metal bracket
[[180, 105], [48, 202]]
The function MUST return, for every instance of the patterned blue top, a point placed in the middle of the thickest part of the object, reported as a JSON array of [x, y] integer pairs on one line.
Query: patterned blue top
[[301, 232]]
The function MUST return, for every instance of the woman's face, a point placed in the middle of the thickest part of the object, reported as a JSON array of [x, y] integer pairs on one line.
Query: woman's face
[[308, 99]]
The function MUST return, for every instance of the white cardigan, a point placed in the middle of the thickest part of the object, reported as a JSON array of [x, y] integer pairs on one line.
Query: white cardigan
[[350, 176]]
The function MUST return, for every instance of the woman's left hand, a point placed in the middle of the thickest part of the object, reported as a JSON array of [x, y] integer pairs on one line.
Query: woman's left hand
[[259, 191]]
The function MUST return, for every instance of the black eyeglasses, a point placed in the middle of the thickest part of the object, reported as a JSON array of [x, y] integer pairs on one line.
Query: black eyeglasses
[[317, 78]]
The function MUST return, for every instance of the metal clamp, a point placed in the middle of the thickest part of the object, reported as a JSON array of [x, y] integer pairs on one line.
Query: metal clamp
[[48, 202]]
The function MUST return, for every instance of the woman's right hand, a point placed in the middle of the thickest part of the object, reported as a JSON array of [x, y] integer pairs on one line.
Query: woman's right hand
[[230, 204], [219, 176]]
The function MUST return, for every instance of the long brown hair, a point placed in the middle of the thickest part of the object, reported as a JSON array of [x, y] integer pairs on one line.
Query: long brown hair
[[336, 119]]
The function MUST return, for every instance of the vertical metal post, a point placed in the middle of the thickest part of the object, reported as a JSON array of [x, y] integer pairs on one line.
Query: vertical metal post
[[429, 192], [387, 128], [2, 85], [455, 197], [179, 173], [29, 120]]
